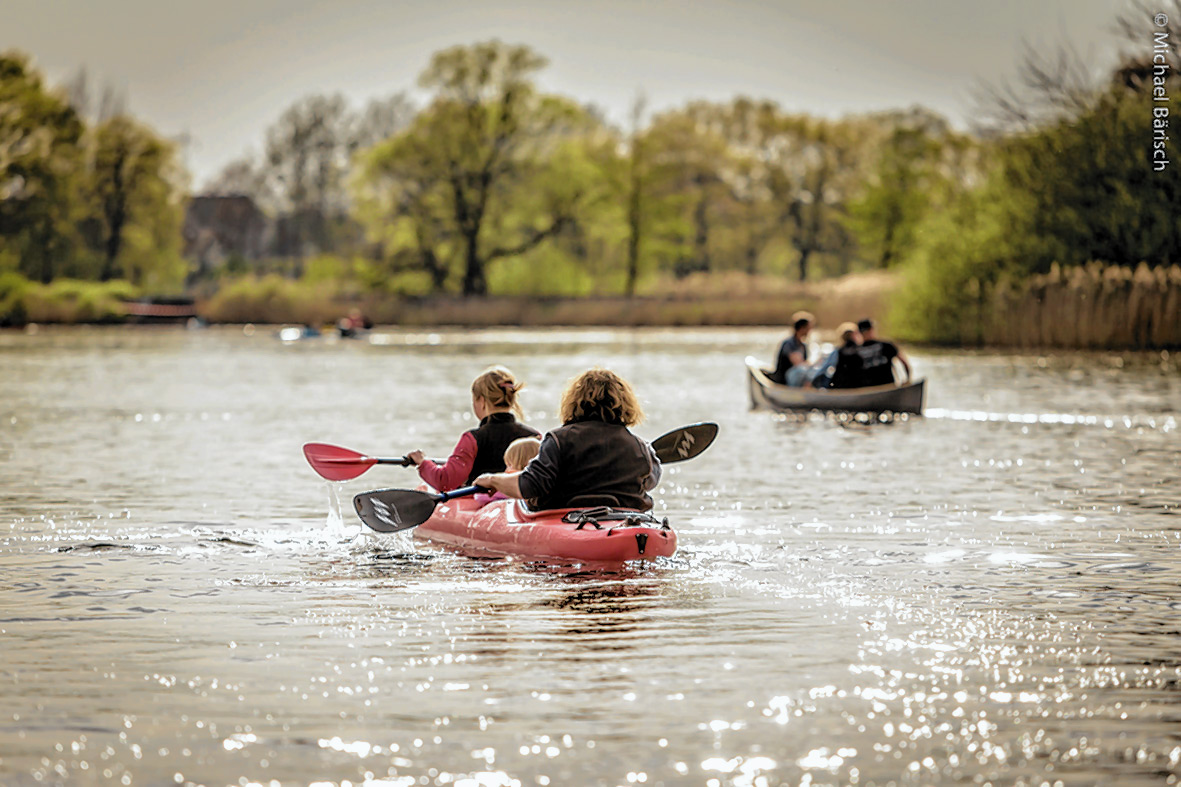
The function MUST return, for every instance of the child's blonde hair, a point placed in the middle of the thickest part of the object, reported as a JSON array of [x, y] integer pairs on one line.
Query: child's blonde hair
[[600, 395], [520, 451], [498, 387]]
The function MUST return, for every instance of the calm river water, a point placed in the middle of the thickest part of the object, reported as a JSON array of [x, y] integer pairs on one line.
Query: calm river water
[[988, 595]]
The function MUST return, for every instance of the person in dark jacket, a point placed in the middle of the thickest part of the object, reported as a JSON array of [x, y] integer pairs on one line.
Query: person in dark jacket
[[878, 356], [480, 450], [849, 371], [593, 459]]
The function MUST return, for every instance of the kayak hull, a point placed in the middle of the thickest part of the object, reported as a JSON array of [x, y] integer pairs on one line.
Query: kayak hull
[[506, 527], [769, 395]]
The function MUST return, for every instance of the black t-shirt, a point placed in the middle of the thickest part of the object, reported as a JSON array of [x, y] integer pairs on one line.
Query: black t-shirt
[[877, 362], [850, 372]]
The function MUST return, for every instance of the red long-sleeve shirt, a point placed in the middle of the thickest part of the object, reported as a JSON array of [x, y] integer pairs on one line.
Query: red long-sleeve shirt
[[453, 473]]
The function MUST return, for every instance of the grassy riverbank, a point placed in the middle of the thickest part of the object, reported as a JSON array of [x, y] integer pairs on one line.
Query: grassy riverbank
[[1091, 307], [697, 300]]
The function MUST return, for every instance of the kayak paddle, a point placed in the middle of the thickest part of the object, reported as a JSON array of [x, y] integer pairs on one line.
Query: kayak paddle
[[392, 510], [341, 464], [684, 443]]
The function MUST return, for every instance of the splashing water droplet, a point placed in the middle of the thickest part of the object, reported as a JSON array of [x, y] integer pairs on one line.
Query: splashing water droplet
[[335, 524]]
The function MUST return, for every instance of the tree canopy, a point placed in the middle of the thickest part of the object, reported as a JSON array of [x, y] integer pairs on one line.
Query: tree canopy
[[495, 186]]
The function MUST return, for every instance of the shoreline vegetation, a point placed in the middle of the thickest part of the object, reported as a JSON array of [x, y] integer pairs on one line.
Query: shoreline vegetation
[[483, 200], [1090, 307], [698, 300]]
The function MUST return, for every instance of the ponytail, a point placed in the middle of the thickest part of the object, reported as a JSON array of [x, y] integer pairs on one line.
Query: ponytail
[[498, 387]]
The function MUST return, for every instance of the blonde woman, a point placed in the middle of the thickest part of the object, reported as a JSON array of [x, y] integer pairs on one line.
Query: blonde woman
[[480, 450], [593, 459]]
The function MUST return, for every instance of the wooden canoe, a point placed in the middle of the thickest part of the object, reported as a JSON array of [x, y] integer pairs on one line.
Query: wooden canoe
[[769, 395]]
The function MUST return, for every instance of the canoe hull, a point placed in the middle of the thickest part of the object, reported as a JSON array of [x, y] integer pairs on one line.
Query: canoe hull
[[769, 395], [505, 527]]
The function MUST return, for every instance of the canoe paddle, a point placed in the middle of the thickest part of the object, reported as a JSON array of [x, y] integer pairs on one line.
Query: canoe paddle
[[392, 510]]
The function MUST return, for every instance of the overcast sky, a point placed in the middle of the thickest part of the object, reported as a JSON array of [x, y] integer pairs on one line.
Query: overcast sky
[[221, 71]]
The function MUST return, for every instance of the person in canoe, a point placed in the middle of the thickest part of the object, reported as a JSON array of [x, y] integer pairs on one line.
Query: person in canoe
[[878, 356], [791, 361], [518, 454], [848, 371], [480, 450], [592, 459]]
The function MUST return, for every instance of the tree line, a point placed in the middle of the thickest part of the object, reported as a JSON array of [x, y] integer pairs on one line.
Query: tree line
[[494, 185], [495, 179], [83, 197]]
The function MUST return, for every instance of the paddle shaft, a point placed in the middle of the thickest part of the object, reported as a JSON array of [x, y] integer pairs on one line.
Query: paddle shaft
[[463, 491]]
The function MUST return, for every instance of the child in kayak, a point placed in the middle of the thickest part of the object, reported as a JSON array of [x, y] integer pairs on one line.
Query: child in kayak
[[516, 456], [593, 459], [480, 450]]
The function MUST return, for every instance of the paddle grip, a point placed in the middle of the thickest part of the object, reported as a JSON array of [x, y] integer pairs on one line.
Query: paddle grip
[[463, 491]]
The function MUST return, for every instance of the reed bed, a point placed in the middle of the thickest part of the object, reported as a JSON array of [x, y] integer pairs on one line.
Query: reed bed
[[1094, 306]]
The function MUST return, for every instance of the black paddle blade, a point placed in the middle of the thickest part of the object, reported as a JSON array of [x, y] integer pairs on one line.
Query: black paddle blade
[[391, 510], [684, 443]]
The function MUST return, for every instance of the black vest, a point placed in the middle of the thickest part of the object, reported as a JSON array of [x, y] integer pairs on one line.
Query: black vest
[[493, 436], [599, 464]]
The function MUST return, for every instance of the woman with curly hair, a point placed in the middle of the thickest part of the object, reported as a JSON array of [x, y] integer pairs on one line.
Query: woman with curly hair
[[593, 459]]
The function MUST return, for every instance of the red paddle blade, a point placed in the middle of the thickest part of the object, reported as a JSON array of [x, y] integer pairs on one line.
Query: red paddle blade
[[336, 463]]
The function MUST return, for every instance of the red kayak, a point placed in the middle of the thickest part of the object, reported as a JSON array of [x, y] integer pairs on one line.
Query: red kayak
[[599, 535]]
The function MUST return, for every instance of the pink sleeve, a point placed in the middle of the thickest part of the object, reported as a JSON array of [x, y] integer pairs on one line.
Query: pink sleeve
[[454, 473]]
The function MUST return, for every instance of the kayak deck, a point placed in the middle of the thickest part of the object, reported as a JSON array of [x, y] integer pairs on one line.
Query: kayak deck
[[507, 527]]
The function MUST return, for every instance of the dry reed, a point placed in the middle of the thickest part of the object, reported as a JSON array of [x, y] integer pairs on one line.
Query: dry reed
[[1089, 307]]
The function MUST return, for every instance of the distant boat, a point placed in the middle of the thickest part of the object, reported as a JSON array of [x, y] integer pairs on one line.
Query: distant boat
[[160, 309], [295, 334], [769, 395]]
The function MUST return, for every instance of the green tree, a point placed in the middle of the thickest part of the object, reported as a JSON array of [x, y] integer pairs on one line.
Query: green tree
[[402, 198], [137, 188], [1076, 189], [1093, 190], [754, 131], [488, 123], [635, 190], [578, 182], [754, 179], [914, 162], [819, 185], [39, 162], [685, 155], [460, 173]]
